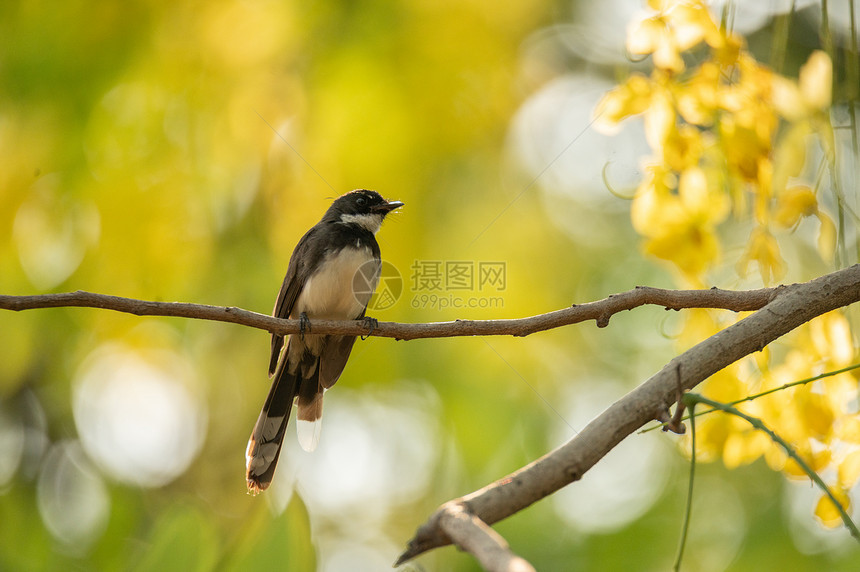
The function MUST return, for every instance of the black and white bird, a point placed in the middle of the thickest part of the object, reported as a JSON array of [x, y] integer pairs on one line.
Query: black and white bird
[[332, 274]]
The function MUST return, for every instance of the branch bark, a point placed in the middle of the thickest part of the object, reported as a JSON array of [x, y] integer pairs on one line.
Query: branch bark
[[790, 307], [477, 538], [600, 311]]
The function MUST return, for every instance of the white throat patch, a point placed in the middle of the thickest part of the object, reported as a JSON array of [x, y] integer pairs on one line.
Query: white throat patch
[[370, 222]]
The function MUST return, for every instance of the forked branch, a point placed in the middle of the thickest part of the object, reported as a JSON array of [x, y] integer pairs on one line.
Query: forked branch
[[790, 307]]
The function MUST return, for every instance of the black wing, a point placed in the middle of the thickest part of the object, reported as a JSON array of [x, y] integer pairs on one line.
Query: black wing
[[306, 252]]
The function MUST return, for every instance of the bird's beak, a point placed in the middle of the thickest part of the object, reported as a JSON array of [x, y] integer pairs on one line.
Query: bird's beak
[[389, 206]]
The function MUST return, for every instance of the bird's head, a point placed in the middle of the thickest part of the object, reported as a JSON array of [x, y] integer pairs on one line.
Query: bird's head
[[362, 207]]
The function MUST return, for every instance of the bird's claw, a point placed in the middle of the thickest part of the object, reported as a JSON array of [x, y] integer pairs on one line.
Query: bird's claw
[[304, 324], [371, 324]]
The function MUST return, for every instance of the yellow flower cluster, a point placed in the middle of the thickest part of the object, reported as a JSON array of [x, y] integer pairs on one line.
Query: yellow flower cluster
[[815, 418], [726, 135]]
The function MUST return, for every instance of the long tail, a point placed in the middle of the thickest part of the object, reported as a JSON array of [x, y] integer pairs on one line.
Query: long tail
[[264, 446]]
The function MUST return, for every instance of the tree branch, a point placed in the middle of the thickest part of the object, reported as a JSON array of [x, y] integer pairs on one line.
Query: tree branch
[[600, 311], [465, 521], [790, 307], [476, 537]]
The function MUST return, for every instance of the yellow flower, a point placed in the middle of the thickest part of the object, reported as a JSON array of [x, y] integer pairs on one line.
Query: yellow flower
[[748, 124], [677, 27], [698, 97], [849, 430], [630, 98], [659, 119], [816, 461], [743, 147], [699, 324], [744, 447], [814, 413], [762, 249], [800, 201], [714, 430], [806, 104], [654, 200], [653, 36], [683, 148], [848, 471], [680, 227], [826, 237], [816, 80], [832, 340], [811, 93], [825, 510], [730, 135]]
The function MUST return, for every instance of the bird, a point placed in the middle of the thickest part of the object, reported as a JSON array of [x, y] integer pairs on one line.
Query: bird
[[332, 274]]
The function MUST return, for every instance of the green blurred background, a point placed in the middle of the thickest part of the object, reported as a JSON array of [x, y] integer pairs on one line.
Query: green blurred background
[[178, 151]]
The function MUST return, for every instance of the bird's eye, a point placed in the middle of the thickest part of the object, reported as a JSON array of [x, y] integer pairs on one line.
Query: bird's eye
[[360, 201]]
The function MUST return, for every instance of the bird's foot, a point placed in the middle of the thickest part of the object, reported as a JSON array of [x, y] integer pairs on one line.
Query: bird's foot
[[371, 324], [304, 324]]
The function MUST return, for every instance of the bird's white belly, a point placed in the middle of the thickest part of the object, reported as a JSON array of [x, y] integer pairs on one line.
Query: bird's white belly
[[329, 293]]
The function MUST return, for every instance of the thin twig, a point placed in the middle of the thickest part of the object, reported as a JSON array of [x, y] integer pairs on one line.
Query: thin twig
[[666, 422], [685, 528], [692, 398]]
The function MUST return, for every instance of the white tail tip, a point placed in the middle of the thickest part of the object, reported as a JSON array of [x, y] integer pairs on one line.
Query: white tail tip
[[309, 433]]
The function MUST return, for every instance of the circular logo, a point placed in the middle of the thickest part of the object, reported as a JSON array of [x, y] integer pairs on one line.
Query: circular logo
[[379, 286]]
